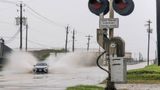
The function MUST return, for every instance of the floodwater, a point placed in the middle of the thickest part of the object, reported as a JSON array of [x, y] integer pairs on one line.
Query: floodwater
[[55, 81], [65, 70]]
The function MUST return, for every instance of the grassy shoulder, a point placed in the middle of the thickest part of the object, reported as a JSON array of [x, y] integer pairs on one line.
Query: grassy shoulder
[[149, 74], [43, 54], [85, 87]]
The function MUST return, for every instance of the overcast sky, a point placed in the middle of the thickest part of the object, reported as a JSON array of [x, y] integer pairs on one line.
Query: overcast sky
[[76, 14]]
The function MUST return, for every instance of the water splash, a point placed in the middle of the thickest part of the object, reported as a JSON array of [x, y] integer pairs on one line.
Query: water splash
[[19, 62], [23, 62], [71, 61]]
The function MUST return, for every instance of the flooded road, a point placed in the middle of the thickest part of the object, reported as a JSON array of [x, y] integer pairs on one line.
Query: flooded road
[[56, 81], [64, 71]]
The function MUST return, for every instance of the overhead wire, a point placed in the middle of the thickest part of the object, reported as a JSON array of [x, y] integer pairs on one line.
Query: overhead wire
[[4, 22], [30, 1], [40, 44], [51, 21], [7, 1], [6, 8], [13, 37], [38, 17], [30, 41]]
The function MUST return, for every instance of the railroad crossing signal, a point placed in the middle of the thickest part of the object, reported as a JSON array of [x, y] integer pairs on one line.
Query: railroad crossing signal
[[98, 6], [122, 7]]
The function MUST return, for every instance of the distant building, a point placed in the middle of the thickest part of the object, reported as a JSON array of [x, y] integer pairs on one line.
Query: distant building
[[128, 56]]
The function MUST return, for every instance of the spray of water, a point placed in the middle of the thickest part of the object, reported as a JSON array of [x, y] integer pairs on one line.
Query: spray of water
[[23, 62], [71, 61], [19, 62]]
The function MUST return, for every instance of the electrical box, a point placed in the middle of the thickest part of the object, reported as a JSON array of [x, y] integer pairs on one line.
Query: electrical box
[[118, 70]]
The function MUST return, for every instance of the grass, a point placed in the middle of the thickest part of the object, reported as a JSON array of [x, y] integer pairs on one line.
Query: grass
[[85, 87], [43, 54], [149, 74]]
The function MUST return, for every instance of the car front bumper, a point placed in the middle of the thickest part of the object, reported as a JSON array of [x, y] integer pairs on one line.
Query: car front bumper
[[40, 70]]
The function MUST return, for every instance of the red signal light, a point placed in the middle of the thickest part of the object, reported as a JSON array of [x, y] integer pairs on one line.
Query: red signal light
[[98, 6], [123, 7]]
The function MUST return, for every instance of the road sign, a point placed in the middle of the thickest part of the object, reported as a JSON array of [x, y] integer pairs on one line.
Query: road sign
[[109, 23]]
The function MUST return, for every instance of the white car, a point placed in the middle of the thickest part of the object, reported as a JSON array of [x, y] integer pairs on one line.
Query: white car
[[40, 68]]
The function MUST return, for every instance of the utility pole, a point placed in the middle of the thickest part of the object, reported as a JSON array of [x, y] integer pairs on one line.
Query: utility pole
[[67, 31], [149, 31], [1, 47], [73, 40], [88, 44], [26, 37], [21, 6], [20, 21], [158, 31]]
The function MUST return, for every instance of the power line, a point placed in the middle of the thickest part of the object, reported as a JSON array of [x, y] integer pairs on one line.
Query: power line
[[7, 1], [39, 18], [51, 21], [4, 22], [37, 43], [6, 8], [30, 41], [30, 1], [13, 37]]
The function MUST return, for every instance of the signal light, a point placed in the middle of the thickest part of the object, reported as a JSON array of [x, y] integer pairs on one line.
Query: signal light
[[123, 7], [98, 6]]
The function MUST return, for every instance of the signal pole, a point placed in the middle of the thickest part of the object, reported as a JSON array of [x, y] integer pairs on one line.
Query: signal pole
[[21, 6], [73, 40], [67, 31], [89, 38], [110, 84], [111, 15], [149, 31], [111, 44]]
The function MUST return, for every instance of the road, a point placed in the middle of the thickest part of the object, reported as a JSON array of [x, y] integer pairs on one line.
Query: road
[[55, 81], [58, 79]]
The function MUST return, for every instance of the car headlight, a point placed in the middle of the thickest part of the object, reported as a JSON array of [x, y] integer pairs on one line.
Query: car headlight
[[34, 69], [45, 68]]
